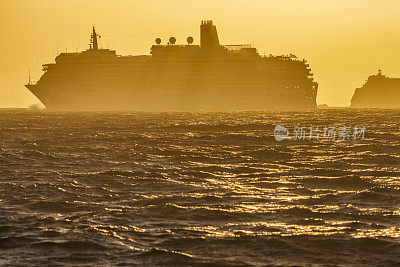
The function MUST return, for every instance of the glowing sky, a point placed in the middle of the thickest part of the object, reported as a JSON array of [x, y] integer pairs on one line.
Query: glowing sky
[[344, 41]]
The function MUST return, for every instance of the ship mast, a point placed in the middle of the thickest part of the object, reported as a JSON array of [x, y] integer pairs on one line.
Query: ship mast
[[93, 40]]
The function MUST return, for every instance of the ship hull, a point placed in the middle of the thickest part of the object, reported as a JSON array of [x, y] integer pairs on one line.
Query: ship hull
[[115, 98]]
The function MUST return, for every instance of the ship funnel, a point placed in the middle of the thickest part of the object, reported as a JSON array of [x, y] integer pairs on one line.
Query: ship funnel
[[209, 36]]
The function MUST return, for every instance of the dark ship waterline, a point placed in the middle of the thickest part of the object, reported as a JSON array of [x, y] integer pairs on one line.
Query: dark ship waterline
[[177, 77]]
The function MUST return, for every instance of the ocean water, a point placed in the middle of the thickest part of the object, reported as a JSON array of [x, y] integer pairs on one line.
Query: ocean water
[[192, 188]]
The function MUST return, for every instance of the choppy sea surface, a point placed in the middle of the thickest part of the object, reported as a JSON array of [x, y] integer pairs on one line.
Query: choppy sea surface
[[192, 188]]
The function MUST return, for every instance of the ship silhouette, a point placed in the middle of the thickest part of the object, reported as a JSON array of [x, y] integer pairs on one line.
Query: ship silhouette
[[176, 77], [379, 91]]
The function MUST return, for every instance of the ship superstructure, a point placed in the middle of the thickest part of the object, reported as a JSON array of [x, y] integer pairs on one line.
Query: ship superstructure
[[176, 77]]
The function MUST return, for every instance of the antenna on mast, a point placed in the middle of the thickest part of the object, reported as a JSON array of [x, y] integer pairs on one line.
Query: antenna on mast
[[29, 77]]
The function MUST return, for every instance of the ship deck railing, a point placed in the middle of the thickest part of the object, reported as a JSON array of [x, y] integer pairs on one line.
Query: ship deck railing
[[237, 47]]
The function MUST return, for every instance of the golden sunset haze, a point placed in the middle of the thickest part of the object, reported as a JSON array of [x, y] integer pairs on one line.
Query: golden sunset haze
[[344, 41]]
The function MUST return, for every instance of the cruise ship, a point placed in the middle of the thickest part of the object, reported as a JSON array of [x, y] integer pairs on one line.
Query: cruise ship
[[207, 76]]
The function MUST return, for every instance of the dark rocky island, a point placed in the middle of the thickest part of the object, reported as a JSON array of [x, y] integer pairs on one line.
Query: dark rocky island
[[378, 92]]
